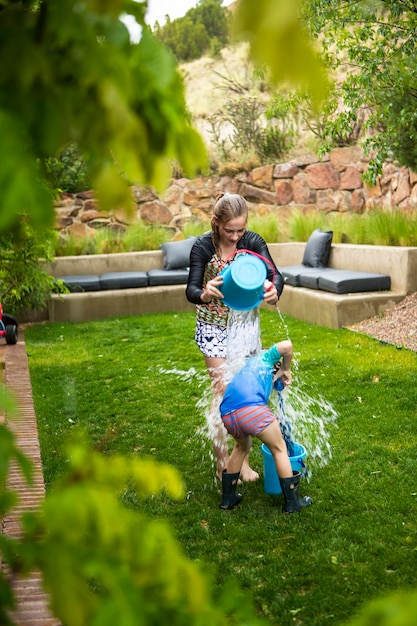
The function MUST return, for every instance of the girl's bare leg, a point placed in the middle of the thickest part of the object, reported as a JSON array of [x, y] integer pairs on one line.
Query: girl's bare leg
[[239, 454]]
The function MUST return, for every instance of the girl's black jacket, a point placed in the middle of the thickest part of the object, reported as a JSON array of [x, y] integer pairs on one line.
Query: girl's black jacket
[[203, 250]]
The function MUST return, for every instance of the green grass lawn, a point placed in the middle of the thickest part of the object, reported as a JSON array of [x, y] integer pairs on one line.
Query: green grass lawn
[[134, 383]]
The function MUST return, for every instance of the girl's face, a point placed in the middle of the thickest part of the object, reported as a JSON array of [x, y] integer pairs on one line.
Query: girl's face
[[233, 230]]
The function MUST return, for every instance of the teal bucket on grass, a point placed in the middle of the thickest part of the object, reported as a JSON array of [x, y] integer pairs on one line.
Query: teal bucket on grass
[[271, 480], [243, 282]]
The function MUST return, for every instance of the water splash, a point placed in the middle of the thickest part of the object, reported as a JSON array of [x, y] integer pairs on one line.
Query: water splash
[[304, 418], [307, 420]]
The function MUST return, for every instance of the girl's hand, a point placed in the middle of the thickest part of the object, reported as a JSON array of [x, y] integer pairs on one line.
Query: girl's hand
[[211, 290], [270, 295]]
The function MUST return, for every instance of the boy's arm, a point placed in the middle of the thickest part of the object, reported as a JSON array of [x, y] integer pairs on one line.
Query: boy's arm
[[285, 350]]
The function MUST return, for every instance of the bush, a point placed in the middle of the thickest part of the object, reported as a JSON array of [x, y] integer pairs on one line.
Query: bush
[[68, 171], [23, 282]]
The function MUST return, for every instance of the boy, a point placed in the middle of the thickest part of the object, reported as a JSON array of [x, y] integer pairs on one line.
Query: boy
[[245, 414]]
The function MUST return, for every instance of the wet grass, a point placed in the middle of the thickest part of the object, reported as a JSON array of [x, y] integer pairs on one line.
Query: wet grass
[[124, 381]]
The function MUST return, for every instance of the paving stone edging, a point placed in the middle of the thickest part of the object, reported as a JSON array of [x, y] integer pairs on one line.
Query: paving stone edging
[[32, 602]]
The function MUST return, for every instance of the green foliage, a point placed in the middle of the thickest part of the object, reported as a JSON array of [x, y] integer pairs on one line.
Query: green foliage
[[77, 79], [244, 115], [140, 236], [204, 28], [379, 227], [248, 126], [397, 609], [185, 39], [267, 226], [136, 238], [23, 282], [278, 40], [194, 228], [9, 454], [373, 45], [68, 171], [392, 228], [301, 225], [104, 564]]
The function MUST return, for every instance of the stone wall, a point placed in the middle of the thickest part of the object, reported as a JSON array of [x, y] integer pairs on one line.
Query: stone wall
[[333, 184]]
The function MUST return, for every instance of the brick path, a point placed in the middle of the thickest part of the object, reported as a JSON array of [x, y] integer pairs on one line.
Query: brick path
[[32, 602]]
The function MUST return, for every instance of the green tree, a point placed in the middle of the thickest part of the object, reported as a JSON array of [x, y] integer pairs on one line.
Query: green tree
[[202, 28], [372, 45], [184, 38], [214, 17]]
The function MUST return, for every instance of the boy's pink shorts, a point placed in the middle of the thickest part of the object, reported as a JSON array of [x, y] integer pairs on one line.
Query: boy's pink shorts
[[249, 420]]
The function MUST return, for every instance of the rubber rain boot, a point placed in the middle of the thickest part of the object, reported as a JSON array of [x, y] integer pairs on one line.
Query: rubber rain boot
[[230, 498], [293, 501]]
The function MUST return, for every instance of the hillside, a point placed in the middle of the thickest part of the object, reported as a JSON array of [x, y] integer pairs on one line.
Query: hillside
[[211, 83]]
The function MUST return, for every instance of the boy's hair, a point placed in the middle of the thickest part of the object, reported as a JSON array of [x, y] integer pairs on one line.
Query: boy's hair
[[228, 206]]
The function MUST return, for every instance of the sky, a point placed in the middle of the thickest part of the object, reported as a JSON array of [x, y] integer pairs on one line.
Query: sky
[[157, 9]]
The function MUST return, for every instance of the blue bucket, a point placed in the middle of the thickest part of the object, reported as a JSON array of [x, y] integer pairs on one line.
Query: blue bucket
[[271, 480], [243, 282]]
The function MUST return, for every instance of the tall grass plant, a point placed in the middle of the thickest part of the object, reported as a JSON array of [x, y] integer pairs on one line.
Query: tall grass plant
[[271, 229], [379, 227], [301, 224]]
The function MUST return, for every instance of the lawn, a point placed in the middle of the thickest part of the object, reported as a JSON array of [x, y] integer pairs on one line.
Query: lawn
[[135, 385]]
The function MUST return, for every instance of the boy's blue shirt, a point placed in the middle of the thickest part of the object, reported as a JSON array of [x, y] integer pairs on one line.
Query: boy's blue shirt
[[252, 385]]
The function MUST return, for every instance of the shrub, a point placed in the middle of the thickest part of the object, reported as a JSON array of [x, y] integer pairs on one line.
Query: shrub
[[23, 282], [68, 171]]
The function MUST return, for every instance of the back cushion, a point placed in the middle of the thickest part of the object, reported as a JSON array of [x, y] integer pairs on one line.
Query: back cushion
[[177, 253], [317, 250]]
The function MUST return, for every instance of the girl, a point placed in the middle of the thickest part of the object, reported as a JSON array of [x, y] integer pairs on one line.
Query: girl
[[209, 255]]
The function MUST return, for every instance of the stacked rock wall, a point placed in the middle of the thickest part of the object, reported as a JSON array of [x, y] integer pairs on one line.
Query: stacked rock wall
[[333, 184]]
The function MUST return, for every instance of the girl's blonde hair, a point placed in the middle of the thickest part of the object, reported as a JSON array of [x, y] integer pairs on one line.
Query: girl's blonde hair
[[227, 207]]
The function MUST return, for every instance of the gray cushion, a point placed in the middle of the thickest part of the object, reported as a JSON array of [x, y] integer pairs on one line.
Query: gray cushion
[[83, 282], [317, 250], [310, 278], [177, 253], [167, 277], [123, 280], [346, 281], [292, 273]]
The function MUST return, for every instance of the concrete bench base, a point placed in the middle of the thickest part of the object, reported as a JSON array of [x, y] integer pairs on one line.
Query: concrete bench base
[[335, 310], [100, 305]]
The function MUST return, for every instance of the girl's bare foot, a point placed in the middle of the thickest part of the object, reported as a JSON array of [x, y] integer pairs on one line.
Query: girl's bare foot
[[247, 474]]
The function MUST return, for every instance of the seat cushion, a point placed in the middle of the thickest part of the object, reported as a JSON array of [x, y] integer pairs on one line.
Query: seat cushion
[[123, 280], [177, 253], [317, 250], [167, 277], [292, 273], [311, 277], [83, 282], [347, 281]]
